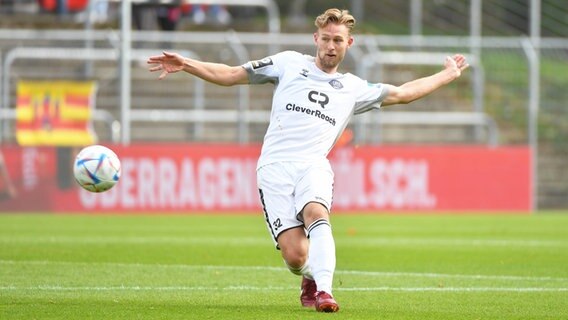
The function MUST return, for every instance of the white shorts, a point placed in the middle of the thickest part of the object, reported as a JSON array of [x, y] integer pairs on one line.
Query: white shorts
[[286, 187]]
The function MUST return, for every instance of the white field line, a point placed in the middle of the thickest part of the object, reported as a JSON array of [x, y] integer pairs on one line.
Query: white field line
[[142, 240], [262, 241], [281, 269], [273, 288]]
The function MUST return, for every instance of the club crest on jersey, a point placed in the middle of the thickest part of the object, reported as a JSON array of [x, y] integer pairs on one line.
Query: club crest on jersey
[[335, 84], [261, 63]]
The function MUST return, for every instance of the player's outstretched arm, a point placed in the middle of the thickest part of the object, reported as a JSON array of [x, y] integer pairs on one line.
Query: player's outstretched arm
[[217, 73], [419, 88]]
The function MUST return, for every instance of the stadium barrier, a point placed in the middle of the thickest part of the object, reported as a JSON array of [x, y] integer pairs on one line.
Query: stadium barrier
[[185, 178]]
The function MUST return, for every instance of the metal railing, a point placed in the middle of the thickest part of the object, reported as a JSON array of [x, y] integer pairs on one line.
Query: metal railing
[[81, 54], [476, 120], [269, 5], [104, 116], [238, 44], [381, 59]]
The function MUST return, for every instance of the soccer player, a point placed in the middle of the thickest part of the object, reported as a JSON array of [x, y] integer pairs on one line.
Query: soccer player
[[312, 104]]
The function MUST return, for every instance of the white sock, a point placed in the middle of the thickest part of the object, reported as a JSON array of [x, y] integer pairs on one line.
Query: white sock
[[322, 254], [302, 271]]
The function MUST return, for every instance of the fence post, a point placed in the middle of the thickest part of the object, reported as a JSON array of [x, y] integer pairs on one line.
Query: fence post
[[416, 17], [125, 51], [534, 96], [2, 106], [534, 90]]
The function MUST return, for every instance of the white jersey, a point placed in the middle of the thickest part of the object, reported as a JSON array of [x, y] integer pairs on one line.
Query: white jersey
[[310, 108]]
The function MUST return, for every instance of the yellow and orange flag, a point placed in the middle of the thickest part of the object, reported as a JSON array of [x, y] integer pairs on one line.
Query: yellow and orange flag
[[55, 113]]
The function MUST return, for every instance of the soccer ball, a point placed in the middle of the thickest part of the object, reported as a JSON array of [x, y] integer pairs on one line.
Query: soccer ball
[[96, 168]]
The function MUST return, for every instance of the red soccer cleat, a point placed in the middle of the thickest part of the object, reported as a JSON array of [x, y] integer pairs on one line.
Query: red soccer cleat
[[308, 295], [325, 302]]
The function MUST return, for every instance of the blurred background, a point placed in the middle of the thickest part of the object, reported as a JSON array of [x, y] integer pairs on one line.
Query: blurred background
[[513, 97]]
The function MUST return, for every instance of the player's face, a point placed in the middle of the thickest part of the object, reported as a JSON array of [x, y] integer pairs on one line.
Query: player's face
[[332, 42]]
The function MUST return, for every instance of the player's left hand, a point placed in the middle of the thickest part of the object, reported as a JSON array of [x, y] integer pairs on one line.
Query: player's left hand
[[457, 63]]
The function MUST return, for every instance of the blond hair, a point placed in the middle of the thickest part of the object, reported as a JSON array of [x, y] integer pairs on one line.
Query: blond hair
[[335, 16]]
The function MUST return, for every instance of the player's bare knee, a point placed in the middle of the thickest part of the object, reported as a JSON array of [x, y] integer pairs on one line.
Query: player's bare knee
[[295, 257], [295, 264], [314, 211]]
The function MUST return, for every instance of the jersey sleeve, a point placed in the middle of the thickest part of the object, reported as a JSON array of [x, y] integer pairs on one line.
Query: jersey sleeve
[[370, 96], [265, 70]]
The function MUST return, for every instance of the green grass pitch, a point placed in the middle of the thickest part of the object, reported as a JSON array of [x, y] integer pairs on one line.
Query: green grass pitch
[[225, 267]]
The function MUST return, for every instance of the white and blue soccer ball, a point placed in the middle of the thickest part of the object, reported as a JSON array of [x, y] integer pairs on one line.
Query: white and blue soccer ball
[[96, 168]]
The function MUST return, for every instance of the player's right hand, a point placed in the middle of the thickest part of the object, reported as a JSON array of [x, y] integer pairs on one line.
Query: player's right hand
[[168, 62]]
